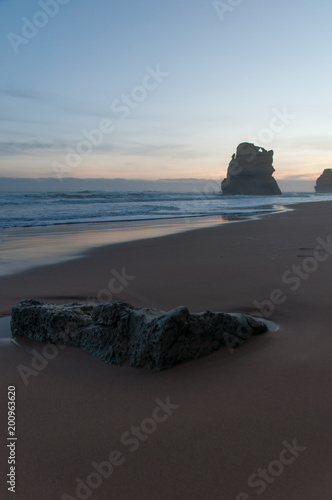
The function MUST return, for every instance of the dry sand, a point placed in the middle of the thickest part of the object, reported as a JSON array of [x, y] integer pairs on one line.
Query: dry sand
[[236, 411]]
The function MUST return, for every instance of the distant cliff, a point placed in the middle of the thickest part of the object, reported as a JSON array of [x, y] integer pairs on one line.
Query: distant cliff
[[324, 182], [250, 172]]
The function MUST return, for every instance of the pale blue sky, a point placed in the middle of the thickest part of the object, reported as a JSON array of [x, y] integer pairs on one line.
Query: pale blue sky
[[229, 80]]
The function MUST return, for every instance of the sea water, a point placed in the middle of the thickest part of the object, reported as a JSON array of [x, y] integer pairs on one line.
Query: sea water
[[45, 209]]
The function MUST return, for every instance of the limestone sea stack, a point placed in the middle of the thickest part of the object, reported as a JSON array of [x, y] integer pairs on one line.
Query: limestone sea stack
[[250, 172], [119, 333], [324, 182]]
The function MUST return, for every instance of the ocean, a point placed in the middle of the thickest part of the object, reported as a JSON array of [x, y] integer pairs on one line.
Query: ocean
[[53, 208]]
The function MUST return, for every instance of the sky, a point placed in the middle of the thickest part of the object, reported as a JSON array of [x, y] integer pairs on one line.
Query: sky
[[150, 89]]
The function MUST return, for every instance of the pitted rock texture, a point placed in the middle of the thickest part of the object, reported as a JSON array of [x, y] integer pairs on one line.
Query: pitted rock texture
[[119, 333]]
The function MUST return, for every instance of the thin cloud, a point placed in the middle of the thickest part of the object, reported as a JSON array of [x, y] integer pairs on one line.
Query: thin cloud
[[9, 148], [168, 150], [317, 143], [67, 104], [8, 119], [306, 176], [12, 148], [20, 93]]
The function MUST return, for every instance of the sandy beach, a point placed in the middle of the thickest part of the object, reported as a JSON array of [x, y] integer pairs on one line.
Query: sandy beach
[[253, 423]]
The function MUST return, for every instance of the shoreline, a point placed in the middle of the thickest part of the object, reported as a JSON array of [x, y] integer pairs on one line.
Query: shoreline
[[101, 293], [53, 244], [148, 230], [231, 413], [29, 247], [47, 245]]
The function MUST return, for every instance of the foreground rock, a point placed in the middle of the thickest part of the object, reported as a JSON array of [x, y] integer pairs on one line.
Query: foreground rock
[[324, 182], [119, 333], [250, 172]]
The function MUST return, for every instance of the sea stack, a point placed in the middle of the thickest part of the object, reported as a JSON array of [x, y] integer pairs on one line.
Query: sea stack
[[250, 172], [324, 182]]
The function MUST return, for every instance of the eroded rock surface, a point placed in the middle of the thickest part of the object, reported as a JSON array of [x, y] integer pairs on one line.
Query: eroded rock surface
[[119, 333], [250, 172], [324, 182]]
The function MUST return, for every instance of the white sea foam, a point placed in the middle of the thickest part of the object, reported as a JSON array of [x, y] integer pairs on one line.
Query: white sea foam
[[42, 209]]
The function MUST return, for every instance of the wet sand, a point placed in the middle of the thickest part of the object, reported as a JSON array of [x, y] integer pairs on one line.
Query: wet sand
[[24, 248], [231, 415]]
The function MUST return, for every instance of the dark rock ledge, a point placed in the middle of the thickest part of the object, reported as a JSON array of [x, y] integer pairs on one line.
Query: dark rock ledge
[[250, 172], [119, 333], [324, 182]]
